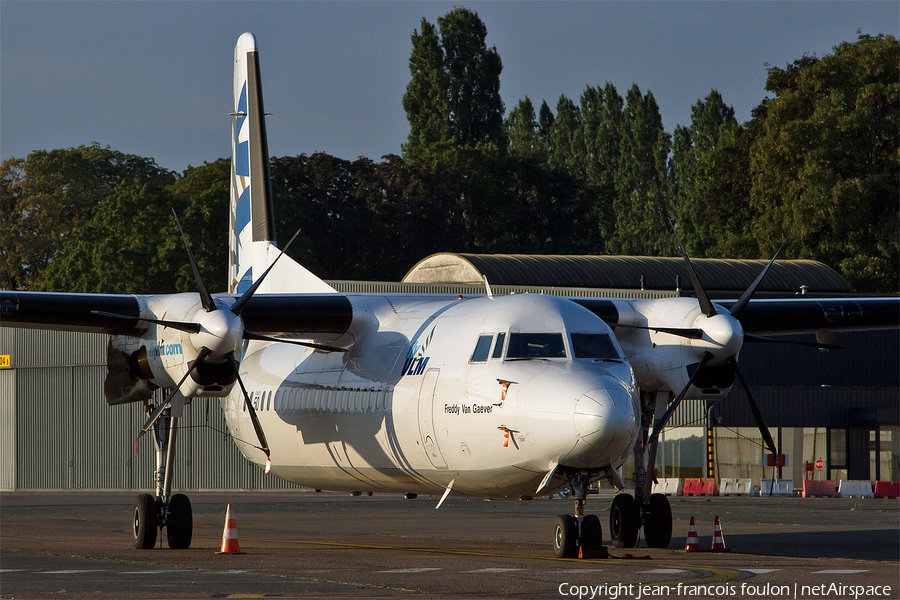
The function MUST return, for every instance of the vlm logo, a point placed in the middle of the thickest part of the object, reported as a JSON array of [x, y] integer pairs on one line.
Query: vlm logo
[[416, 361]]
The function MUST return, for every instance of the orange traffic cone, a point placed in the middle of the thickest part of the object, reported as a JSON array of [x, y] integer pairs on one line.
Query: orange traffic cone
[[718, 540], [230, 543], [693, 542]]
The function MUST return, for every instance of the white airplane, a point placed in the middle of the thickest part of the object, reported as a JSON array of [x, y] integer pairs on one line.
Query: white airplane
[[482, 396]]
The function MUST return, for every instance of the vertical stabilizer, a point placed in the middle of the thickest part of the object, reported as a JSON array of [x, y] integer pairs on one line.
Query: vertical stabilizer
[[252, 220]]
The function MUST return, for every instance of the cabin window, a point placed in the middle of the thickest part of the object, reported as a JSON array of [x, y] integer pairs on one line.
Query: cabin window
[[594, 345], [536, 345], [482, 348], [498, 347]]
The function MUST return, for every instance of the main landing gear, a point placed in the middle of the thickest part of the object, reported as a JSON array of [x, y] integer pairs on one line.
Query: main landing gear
[[172, 512]]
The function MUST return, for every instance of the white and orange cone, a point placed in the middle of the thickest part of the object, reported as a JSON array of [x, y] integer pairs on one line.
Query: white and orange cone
[[718, 540], [693, 542], [230, 543]]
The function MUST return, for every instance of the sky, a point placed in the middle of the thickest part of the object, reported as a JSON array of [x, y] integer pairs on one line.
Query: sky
[[154, 78]]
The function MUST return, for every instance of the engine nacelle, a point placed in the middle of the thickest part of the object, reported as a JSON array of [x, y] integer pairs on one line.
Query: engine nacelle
[[665, 362], [163, 354]]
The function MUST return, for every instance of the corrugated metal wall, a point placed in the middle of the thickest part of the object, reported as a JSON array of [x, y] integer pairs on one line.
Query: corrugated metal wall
[[58, 433]]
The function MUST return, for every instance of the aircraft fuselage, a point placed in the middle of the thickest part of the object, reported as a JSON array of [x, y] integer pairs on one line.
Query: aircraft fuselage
[[425, 396]]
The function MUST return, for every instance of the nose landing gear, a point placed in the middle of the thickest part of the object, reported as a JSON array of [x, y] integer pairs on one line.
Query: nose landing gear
[[579, 533], [628, 513]]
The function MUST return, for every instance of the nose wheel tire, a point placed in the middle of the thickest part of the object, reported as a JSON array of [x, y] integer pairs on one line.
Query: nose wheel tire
[[146, 522], [658, 522], [565, 533], [624, 521]]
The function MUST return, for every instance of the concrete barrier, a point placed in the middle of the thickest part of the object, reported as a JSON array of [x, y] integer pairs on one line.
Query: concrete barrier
[[783, 487], [819, 489], [855, 489], [735, 486], [887, 489], [670, 486]]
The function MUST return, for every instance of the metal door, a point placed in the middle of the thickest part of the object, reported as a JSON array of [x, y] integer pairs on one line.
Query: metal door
[[426, 418]]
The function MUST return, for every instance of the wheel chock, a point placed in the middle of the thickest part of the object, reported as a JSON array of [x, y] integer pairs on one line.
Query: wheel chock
[[595, 552]]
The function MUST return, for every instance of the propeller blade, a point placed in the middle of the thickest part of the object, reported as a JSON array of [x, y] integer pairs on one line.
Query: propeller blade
[[674, 404], [186, 327], [238, 306], [757, 415], [739, 306], [263, 444], [249, 335], [749, 337], [692, 333], [706, 306], [204, 352], [205, 297]]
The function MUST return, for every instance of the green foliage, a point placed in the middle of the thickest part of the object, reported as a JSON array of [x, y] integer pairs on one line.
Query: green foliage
[[820, 162], [825, 168], [55, 193], [641, 180], [699, 159], [454, 94]]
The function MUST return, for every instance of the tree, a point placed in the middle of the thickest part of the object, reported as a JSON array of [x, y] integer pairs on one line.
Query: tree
[[525, 139], [641, 181], [567, 149], [454, 94], [825, 168], [201, 197], [12, 189], [118, 250], [713, 128], [56, 193]]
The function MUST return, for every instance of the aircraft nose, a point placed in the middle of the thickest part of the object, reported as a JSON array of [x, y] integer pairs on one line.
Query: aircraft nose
[[605, 417]]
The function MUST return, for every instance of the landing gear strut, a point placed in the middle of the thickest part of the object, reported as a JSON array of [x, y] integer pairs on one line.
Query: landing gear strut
[[172, 512], [650, 511]]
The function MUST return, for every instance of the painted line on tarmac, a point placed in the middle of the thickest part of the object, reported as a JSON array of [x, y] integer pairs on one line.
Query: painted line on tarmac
[[760, 571], [843, 571], [705, 574], [413, 570]]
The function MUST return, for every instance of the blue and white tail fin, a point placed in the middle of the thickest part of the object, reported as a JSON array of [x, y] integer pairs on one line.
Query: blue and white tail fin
[[252, 221]]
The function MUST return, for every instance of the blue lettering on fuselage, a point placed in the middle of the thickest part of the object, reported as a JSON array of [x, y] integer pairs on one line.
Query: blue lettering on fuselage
[[167, 350], [415, 366]]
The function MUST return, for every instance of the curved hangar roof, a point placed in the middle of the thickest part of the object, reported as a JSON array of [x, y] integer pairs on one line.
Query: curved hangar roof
[[626, 272]]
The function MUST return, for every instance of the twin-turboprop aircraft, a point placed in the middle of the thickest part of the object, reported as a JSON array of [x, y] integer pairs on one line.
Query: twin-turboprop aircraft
[[482, 396]]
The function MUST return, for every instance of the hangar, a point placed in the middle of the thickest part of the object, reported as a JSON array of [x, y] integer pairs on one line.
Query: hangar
[[57, 433]]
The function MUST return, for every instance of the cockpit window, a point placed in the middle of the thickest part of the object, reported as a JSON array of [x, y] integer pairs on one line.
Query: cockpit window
[[536, 345], [594, 345], [498, 347], [482, 348]]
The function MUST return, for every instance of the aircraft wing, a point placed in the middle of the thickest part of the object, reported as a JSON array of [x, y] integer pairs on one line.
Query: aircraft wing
[[306, 316], [789, 315], [802, 315]]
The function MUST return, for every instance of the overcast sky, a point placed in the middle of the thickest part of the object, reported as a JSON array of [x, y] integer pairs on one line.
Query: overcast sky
[[154, 78]]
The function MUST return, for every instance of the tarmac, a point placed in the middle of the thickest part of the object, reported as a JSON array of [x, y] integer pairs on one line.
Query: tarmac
[[328, 545]]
